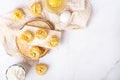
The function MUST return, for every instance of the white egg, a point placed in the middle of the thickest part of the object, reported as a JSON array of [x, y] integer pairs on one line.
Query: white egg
[[65, 16]]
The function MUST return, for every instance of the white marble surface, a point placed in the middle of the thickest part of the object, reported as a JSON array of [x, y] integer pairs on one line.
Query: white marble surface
[[89, 54]]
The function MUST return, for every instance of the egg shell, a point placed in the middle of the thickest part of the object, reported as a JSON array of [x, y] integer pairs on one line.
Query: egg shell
[[65, 16]]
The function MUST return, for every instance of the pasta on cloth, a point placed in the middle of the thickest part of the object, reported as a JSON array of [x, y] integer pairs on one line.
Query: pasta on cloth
[[80, 11]]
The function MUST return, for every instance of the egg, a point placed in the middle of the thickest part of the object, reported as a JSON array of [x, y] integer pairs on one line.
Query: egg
[[55, 6], [65, 16]]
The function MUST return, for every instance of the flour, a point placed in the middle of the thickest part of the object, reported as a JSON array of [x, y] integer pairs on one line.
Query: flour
[[15, 73]]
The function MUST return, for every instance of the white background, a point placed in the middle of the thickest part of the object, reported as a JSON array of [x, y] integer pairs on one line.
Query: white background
[[89, 54]]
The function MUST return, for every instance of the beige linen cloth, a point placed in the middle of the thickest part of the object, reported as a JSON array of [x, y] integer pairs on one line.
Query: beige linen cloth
[[81, 11]]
